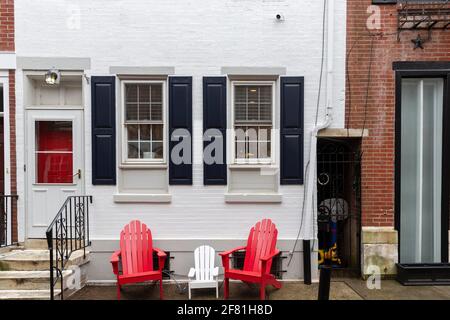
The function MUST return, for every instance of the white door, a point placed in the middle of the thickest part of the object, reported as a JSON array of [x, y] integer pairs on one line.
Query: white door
[[55, 157]]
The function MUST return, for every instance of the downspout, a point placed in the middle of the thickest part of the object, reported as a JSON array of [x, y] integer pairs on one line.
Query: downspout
[[310, 206]]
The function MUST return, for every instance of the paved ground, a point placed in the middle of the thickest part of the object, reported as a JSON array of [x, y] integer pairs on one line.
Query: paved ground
[[346, 289]]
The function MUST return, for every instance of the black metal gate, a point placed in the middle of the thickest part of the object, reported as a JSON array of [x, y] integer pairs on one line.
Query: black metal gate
[[339, 202]]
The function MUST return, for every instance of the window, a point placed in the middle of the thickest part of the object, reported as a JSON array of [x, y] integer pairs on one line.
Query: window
[[144, 121], [54, 152], [253, 122], [421, 171]]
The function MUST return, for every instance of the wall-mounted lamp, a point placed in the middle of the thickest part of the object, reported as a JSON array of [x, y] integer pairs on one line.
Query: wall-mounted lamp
[[52, 77]]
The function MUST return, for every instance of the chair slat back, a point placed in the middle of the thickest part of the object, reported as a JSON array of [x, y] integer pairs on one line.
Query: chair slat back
[[262, 241], [136, 248], [204, 263]]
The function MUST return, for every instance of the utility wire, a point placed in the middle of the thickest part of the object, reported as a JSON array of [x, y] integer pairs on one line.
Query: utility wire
[[322, 59], [317, 115]]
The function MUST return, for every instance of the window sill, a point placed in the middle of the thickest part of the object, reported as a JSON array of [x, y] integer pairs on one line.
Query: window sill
[[253, 197], [142, 198], [143, 166], [252, 166]]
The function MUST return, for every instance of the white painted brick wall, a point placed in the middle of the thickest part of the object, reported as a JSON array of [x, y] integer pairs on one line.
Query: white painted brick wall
[[197, 38]]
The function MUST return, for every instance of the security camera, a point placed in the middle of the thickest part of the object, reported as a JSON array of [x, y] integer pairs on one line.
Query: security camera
[[279, 17]]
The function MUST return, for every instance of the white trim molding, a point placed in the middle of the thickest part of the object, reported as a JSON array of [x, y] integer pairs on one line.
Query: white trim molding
[[7, 60], [142, 198], [142, 71], [253, 197], [253, 71], [45, 63]]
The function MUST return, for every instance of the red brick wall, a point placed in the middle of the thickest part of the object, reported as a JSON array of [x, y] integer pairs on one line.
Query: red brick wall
[[378, 148], [6, 25], [7, 44]]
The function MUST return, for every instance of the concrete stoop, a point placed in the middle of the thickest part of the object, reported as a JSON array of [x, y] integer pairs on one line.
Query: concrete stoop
[[24, 273]]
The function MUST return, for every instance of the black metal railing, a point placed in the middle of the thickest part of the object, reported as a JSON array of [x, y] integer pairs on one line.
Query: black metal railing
[[8, 205], [68, 232]]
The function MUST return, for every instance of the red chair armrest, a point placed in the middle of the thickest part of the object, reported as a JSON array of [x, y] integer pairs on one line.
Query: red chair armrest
[[226, 257], [160, 252], [227, 253], [264, 261], [115, 261], [161, 258], [270, 256]]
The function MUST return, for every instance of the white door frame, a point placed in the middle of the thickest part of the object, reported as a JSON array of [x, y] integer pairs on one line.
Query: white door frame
[[27, 190], [4, 82]]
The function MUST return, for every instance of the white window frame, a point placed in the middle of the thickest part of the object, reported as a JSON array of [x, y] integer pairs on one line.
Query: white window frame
[[257, 161], [124, 132]]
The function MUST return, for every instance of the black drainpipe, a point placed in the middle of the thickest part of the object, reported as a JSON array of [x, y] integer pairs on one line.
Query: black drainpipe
[[307, 261]]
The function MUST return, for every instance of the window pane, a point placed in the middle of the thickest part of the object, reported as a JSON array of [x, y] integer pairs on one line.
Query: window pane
[[156, 112], [253, 103], [240, 112], [144, 93], [265, 94], [252, 95], [253, 111], [145, 150], [145, 132], [157, 150], [252, 150], [131, 93], [240, 94], [264, 150], [132, 111], [144, 111], [157, 132], [253, 142], [240, 133], [53, 136], [252, 133], [54, 167], [156, 92], [240, 149], [133, 150], [132, 132], [54, 158], [421, 170], [264, 133]]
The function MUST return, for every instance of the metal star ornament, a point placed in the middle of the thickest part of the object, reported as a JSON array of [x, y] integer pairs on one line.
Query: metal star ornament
[[418, 42]]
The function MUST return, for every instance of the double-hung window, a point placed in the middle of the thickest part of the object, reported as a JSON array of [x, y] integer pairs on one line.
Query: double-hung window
[[144, 121], [252, 105]]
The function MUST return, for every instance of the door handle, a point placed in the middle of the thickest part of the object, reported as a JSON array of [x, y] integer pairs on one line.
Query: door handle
[[78, 173]]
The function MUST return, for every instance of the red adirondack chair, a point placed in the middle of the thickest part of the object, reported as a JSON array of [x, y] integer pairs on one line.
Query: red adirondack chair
[[260, 250], [136, 257]]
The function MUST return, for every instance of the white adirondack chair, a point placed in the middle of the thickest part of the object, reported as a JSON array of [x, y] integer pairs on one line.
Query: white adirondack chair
[[204, 275]]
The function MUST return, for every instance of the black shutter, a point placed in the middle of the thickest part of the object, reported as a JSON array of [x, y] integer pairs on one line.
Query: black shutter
[[180, 117], [103, 105], [291, 130], [215, 117]]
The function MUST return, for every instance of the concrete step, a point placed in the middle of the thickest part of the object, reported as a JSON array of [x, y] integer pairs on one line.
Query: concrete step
[[4, 250], [35, 260], [28, 280], [27, 294], [35, 244], [41, 244]]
